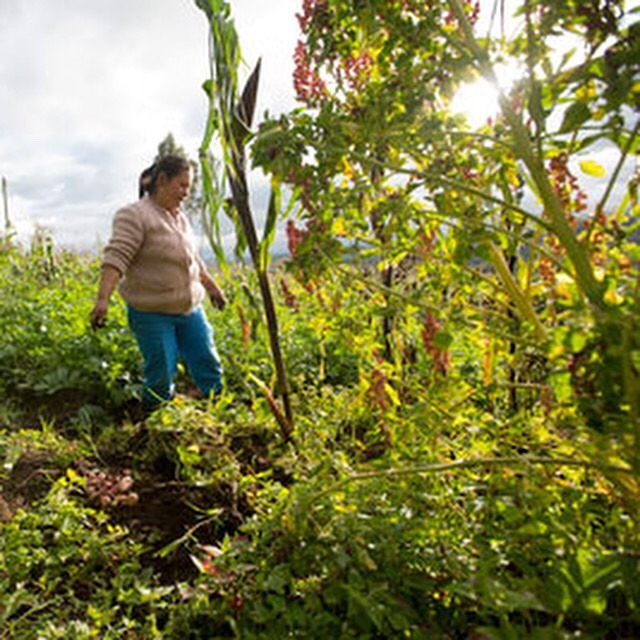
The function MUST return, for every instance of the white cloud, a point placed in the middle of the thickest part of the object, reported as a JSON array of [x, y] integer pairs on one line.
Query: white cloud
[[89, 89]]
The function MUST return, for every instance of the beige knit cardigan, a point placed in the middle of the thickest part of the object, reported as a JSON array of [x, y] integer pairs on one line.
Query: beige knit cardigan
[[155, 252]]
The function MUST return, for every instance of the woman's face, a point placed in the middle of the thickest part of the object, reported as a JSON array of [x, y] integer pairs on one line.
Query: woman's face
[[172, 191]]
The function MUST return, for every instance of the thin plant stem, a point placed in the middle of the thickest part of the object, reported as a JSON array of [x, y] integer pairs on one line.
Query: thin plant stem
[[458, 465]]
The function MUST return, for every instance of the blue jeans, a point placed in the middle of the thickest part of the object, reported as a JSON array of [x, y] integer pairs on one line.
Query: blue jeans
[[165, 337]]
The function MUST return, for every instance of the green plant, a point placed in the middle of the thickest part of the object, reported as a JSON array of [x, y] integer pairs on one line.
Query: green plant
[[461, 350], [422, 556], [231, 117], [64, 567], [497, 215], [48, 351]]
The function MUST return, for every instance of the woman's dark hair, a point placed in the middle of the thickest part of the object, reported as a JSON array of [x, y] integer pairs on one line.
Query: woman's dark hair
[[171, 166]]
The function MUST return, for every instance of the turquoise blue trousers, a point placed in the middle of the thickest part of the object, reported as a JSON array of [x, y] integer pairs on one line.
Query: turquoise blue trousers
[[164, 338]]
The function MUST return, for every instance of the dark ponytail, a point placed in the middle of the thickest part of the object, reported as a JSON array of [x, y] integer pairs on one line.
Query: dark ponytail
[[144, 183], [171, 166]]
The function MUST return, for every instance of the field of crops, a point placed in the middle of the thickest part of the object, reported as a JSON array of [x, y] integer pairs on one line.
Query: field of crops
[[430, 425], [414, 499]]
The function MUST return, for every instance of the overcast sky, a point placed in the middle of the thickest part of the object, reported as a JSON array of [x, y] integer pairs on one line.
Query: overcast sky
[[89, 88]]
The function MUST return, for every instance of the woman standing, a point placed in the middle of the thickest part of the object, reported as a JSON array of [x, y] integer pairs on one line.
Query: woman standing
[[152, 256]]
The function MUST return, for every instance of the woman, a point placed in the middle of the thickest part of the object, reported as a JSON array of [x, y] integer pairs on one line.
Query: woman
[[152, 255]]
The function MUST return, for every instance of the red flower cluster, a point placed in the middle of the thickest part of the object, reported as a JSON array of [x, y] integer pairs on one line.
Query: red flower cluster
[[547, 271], [573, 200], [357, 69], [225, 581], [309, 8], [308, 85], [439, 356], [599, 228], [470, 175], [110, 488], [377, 390], [290, 299], [426, 243], [245, 328], [294, 237], [566, 186]]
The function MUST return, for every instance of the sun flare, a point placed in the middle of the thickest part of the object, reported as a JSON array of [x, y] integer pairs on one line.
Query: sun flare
[[478, 100]]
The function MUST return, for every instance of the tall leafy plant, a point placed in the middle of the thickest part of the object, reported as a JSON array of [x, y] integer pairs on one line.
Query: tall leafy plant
[[378, 142], [230, 120], [599, 96]]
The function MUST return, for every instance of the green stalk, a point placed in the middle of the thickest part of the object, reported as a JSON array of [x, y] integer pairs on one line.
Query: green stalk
[[238, 182], [472, 464], [618, 168], [575, 251], [232, 118], [523, 150], [5, 201], [519, 297]]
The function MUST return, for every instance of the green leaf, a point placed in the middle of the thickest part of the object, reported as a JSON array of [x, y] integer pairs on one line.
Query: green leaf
[[593, 168], [270, 225], [213, 196], [241, 237], [216, 5], [587, 141], [535, 105], [442, 340], [247, 105], [575, 116]]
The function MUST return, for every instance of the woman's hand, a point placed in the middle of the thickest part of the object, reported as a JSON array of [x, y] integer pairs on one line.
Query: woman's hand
[[217, 297], [109, 277], [215, 293], [99, 314]]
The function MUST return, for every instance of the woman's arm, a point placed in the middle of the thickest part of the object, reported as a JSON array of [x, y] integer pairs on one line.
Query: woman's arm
[[216, 295], [109, 277]]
